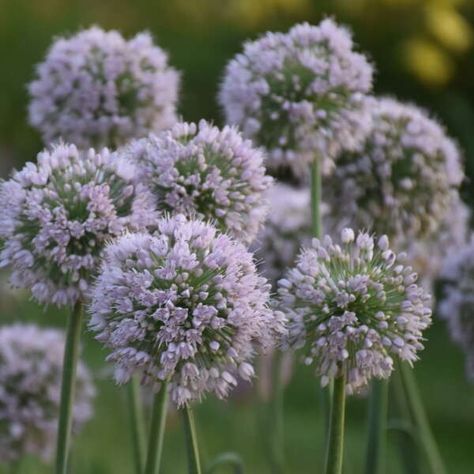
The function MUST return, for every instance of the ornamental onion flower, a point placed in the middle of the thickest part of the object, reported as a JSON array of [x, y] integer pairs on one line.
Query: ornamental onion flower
[[184, 306], [30, 381], [353, 308], [97, 89], [204, 172], [428, 255], [287, 228], [57, 214], [300, 94], [402, 180], [456, 305]]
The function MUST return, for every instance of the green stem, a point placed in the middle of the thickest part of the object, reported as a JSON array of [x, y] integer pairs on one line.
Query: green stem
[[194, 464], [420, 420], [157, 430], [231, 459], [335, 448], [71, 354], [377, 437], [316, 185], [137, 423], [407, 442], [276, 424]]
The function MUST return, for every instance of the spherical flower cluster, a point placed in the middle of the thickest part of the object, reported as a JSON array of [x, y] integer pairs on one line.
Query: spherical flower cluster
[[184, 306], [30, 385], [97, 89], [353, 308], [287, 228], [204, 172], [300, 94], [457, 302], [402, 180], [427, 256], [56, 215]]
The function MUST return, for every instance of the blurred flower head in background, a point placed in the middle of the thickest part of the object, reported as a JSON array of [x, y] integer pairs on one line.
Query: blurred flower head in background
[[402, 180], [30, 384], [57, 215], [353, 308], [205, 172], [288, 226], [456, 305], [300, 95], [185, 306], [97, 89]]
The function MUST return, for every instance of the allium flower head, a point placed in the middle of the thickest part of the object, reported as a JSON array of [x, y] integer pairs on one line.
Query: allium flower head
[[402, 180], [299, 94], [98, 89], [457, 302], [185, 305], [208, 173], [288, 226], [30, 385], [56, 215], [428, 255], [353, 308]]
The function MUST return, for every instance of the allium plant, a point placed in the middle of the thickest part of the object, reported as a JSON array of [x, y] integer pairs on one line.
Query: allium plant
[[57, 214], [299, 94], [353, 308], [30, 381], [205, 172], [429, 255], [457, 303], [288, 226], [402, 181], [97, 89], [184, 306]]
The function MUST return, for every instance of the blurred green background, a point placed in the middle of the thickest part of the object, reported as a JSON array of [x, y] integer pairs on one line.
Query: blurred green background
[[424, 53]]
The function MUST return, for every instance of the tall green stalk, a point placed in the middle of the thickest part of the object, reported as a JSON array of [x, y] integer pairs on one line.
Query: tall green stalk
[[335, 447], [377, 436], [402, 425], [421, 423], [194, 464], [68, 385], [157, 431], [275, 423], [137, 424]]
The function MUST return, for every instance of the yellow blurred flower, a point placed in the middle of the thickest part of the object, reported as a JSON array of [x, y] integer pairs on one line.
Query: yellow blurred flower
[[449, 27], [427, 61]]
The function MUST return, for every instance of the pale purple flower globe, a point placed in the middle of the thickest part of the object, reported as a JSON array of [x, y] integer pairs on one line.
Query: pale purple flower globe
[[300, 95], [402, 181], [205, 172], [30, 386], [456, 304], [185, 305], [354, 307], [97, 89], [287, 228], [56, 215]]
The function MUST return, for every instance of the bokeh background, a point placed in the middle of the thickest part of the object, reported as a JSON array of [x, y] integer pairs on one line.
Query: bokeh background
[[424, 53]]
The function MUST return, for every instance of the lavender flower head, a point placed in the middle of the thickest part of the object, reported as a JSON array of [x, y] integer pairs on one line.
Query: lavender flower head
[[353, 308], [402, 180], [288, 226], [185, 306], [457, 303], [57, 214], [98, 89], [30, 385], [300, 94], [204, 172], [428, 255]]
